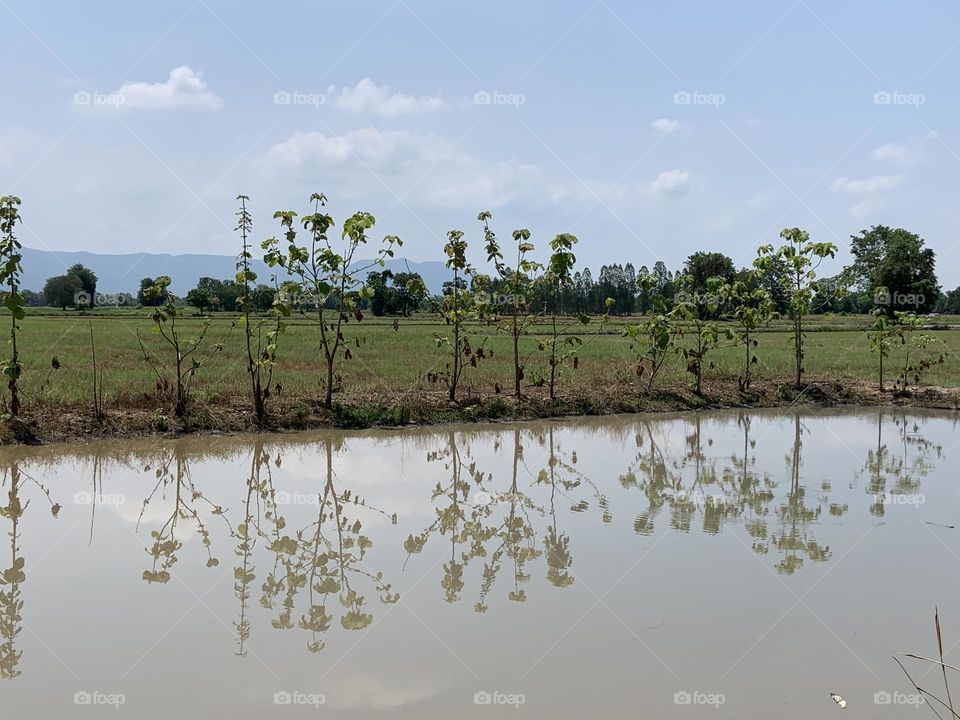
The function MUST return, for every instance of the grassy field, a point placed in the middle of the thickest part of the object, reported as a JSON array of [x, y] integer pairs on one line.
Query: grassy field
[[390, 363]]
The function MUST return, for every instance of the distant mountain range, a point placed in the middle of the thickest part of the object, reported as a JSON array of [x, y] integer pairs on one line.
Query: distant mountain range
[[122, 273]]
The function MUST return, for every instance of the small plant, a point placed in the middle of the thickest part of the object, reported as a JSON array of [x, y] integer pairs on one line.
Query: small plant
[[261, 336], [324, 279], [802, 258], [882, 335], [97, 393], [516, 285], [559, 276], [945, 702], [699, 308], [750, 308], [457, 308], [919, 352], [187, 358], [658, 334], [10, 275]]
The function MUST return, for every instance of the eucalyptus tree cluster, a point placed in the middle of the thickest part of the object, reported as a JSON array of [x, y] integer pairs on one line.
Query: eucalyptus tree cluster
[[322, 277]]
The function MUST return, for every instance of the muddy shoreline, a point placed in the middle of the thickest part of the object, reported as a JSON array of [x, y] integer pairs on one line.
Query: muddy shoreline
[[45, 425]]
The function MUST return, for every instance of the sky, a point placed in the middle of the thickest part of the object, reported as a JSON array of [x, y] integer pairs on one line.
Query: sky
[[648, 130]]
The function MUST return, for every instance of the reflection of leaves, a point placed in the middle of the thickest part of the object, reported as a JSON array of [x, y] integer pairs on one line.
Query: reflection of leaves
[[321, 561], [558, 558], [11, 578], [692, 486], [898, 473], [498, 527], [354, 620], [283, 546], [186, 498]]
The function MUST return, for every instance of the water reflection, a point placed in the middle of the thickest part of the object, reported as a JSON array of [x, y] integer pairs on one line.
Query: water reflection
[[503, 525], [894, 476], [508, 514], [15, 481], [322, 560], [185, 501]]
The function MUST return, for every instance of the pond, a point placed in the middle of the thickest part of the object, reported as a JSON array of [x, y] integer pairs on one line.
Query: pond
[[715, 565]]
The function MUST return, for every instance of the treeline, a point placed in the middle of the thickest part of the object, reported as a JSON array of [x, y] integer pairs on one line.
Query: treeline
[[883, 257]]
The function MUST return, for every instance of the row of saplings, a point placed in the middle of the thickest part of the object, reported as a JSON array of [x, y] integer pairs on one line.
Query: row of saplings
[[315, 277]]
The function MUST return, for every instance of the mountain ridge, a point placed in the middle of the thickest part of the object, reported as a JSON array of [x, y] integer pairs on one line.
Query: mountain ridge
[[122, 272]]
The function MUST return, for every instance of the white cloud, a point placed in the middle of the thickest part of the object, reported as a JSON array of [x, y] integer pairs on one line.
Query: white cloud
[[866, 186], [672, 182], [890, 151], [869, 189], [909, 152], [183, 88], [665, 125], [760, 200], [864, 208], [444, 175], [368, 97], [370, 148]]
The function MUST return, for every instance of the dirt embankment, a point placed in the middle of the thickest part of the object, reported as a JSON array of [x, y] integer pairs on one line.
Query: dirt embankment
[[76, 424]]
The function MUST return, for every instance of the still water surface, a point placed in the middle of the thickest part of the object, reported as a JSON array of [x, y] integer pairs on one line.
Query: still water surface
[[723, 565]]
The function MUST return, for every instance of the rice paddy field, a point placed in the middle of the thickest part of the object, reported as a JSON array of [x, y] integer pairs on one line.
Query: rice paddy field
[[391, 358]]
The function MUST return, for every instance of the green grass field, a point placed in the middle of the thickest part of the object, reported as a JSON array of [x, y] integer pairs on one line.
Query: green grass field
[[390, 362]]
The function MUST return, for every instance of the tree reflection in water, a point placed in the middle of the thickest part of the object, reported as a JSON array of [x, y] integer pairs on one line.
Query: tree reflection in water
[[173, 473], [325, 559], [892, 475], [310, 565], [13, 577]]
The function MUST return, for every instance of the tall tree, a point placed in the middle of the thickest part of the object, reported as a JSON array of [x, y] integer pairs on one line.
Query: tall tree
[[62, 291], [803, 257], [701, 266], [895, 259], [88, 283]]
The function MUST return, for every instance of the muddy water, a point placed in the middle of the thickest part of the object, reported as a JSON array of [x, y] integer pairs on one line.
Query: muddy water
[[712, 566]]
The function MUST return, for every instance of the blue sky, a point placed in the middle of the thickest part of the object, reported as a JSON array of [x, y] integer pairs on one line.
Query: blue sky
[[648, 130]]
